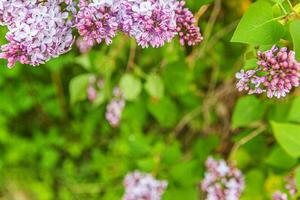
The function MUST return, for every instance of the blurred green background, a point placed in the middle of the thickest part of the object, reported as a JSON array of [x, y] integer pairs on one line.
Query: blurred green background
[[55, 144]]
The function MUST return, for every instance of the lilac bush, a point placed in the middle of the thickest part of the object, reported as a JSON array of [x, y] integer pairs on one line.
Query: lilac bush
[[222, 181], [144, 186], [277, 72]]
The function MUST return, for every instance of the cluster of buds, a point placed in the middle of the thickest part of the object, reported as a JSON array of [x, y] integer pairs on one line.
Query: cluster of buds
[[41, 30], [276, 74], [222, 181], [142, 186], [115, 108]]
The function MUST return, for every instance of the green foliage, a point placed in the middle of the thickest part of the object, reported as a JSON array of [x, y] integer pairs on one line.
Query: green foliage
[[131, 86], [154, 86], [78, 86], [247, 110], [280, 159], [294, 30], [294, 115], [288, 136], [258, 26], [181, 107]]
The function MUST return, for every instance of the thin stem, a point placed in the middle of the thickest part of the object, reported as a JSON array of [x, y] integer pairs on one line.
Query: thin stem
[[246, 139], [131, 58], [292, 8], [283, 9], [200, 13], [56, 79], [186, 119], [207, 34], [290, 4]]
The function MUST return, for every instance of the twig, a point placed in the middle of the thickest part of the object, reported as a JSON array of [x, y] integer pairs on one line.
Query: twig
[[292, 8], [131, 58], [215, 38], [201, 12], [246, 139], [55, 76], [186, 119], [208, 30]]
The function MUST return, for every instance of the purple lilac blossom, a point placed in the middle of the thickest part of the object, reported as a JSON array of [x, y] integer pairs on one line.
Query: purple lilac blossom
[[278, 195], [276, 74], [83, 45], [37, 31], [222, 181], [115, 108], [93, 87], [151, 22], [41, 30], [188, 32], [96, 21], [144, 186], [155, 22], [291, 185]]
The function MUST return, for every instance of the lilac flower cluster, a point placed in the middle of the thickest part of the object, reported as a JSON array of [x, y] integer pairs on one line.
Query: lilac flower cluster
[[40, 30], [140, 186], [188, 32], [279, 196], [291, 185], [276, 74], [96, 21], [151, 22], [115, 108], [94, 86], [222, 181], [37, 31]]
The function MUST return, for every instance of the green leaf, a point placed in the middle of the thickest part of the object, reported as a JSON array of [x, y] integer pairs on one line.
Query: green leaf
[[258, 26], [288, 136], [195, 5], [280, 159], [180, 193], [247, 110], [250, 64], [172, 154], [184, 173], [77, 88], [154, 86], [255, 184], [84, 61], [164, 111], [278, 1], [131, 86], [242, 158], [294, 114], [177, 78], [295, 33]]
